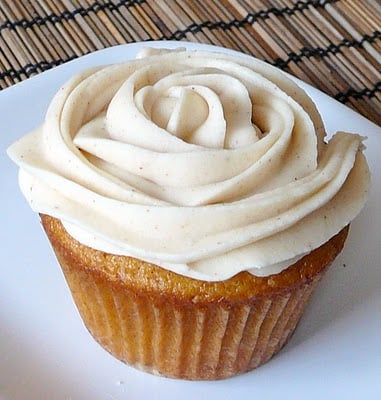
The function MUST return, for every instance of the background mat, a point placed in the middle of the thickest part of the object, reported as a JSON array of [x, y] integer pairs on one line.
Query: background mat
[[333, 45]]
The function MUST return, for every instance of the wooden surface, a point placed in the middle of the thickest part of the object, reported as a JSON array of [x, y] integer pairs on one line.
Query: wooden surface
[[333, 45]]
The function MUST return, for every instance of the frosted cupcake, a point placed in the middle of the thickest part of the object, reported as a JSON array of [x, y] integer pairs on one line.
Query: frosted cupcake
[[193, 203]]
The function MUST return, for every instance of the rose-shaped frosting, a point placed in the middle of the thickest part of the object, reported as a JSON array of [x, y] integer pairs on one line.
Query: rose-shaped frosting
[[206, 164]]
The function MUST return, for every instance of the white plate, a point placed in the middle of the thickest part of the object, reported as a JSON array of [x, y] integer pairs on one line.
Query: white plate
[[46, 353]]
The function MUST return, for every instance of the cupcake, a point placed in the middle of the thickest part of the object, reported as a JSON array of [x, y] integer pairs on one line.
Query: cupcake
[[193, 202]]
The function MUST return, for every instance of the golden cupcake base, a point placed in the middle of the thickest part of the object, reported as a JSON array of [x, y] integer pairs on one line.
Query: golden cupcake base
[[141, 314]]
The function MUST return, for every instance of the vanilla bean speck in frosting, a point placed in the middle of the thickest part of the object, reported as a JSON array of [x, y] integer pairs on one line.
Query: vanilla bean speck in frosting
[[203, 163]]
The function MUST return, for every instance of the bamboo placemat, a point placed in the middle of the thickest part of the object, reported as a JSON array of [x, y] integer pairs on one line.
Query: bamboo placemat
[[333, 45]]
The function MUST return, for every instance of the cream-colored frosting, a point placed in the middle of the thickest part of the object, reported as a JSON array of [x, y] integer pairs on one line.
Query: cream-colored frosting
[[204, 163]]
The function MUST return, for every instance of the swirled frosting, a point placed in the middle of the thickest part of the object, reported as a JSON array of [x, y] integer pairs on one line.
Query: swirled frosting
[[206, 164]]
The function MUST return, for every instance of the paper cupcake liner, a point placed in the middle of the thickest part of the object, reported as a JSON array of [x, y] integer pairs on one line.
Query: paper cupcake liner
[[189, 341]]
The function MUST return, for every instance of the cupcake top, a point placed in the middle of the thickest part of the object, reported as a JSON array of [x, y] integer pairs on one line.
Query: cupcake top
[[203, 163]]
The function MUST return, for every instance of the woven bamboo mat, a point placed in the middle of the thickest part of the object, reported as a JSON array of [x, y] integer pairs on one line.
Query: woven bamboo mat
[[334, 45]]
